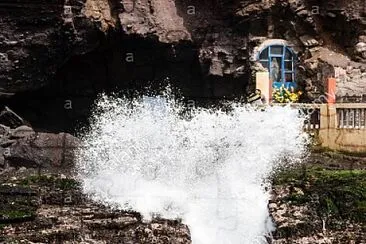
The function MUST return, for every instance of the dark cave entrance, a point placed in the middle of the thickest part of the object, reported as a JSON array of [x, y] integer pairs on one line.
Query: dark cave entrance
[[123, 65]]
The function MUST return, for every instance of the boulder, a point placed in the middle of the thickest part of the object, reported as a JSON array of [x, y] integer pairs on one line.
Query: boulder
[[43, 150]]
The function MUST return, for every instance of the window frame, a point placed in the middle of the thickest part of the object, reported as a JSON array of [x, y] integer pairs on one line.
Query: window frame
[[285, 48]]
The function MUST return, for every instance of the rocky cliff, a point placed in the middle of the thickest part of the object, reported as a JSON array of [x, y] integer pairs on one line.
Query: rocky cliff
[[39, 38], [72, 50]]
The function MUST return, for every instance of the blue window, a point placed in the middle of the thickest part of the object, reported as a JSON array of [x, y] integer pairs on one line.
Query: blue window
[[279, 60]]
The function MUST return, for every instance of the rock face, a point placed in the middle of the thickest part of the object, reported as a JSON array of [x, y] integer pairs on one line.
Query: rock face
[[73, 50], [221, 35], [157, 18], [37, 37], [63, 54]]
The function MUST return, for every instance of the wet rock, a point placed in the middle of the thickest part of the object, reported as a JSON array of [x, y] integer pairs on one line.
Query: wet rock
[[38, 213], [118, 223]]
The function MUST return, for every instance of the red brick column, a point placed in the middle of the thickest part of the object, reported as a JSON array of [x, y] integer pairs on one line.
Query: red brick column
[[331, 90]]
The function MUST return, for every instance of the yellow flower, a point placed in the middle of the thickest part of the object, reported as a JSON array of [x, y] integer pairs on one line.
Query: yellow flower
[[283, 94]]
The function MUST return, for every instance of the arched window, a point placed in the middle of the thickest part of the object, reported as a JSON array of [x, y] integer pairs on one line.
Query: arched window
[[279, 60]]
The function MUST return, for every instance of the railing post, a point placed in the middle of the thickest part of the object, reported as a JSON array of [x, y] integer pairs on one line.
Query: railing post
[[332, 113], [324, 125], [324, 116]]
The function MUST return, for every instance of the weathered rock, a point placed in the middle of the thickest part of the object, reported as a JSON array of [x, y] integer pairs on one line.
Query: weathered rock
[[2, 158], [43, 208], [158, 18], [326, 63], [4, 130], [43, 150], [37, 38], [6, 142], [10, 118], [309, 41], [21, 131]]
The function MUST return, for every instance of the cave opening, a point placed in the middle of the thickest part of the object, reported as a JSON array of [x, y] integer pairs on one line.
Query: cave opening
[[129, 66]]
